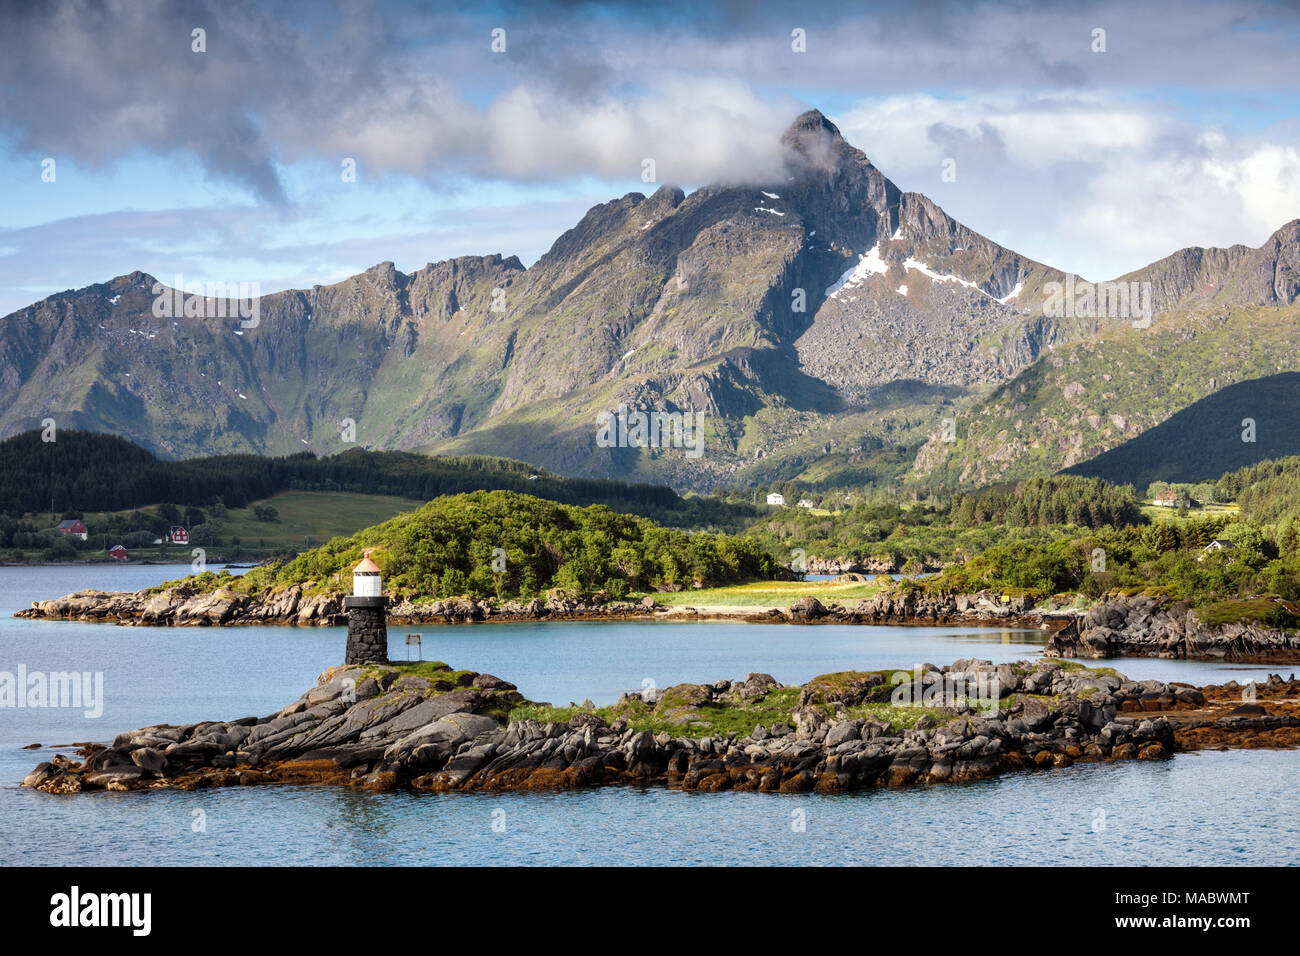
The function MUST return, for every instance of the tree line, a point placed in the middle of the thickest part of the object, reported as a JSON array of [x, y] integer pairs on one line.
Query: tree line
[[86, 471]]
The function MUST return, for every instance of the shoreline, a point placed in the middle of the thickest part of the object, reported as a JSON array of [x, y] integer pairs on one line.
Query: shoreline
[[179, 607], [426, 727], [1138, 626]]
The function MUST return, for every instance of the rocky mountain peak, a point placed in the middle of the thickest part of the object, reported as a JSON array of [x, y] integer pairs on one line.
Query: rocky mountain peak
[[813, 121], [384, 273], [814, 144]]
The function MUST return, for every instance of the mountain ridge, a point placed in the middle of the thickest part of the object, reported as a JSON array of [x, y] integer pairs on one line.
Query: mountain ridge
[[833, 304]]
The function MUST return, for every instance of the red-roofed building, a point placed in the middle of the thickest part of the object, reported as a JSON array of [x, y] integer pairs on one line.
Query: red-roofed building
[[73, 527]]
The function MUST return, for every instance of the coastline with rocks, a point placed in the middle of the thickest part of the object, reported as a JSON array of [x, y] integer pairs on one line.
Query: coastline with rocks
[[1143, 626], [1138, 626], [181, 605], [427, 727]]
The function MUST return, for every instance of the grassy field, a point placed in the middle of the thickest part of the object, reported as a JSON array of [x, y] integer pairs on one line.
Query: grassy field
[[301, 515], [319, 515], [1161, 513], [770, 593]]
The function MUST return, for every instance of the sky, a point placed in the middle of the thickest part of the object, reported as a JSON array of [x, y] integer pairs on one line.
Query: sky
[[129, 142]]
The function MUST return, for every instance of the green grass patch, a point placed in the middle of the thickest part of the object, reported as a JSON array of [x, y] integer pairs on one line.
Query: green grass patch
[[442, 676], [1257, 610], [1074, 667], [315, 515], [672, 715], [669, 716], [899, 718], [770, 594]]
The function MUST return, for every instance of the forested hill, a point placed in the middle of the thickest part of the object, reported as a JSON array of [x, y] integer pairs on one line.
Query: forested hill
[[1233, 428], [509, 545], [88, 471], [1268, 492]]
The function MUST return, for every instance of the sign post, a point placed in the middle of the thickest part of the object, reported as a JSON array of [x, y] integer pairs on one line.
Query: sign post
[[418, 641]]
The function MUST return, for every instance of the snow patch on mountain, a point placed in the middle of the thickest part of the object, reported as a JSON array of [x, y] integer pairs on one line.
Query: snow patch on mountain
[[915, 264], [869, 264], [1020, 287]]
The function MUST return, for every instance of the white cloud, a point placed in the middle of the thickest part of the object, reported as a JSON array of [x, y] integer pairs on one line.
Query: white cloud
[[1097, 187]]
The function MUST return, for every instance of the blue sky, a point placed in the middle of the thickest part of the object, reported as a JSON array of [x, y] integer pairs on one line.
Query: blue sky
[[224, 165]]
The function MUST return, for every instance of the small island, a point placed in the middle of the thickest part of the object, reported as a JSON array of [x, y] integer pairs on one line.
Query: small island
[[429, 727]]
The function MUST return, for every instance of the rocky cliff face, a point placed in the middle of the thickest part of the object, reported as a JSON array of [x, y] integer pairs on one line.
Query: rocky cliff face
[[1238, 275], [772, 309]]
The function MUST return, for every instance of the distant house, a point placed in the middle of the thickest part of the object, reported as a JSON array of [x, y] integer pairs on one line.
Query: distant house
[[117, 552], [805, 503], [775, 499], [178, 535], [1172, 499], [73, 527], [1218, 544]]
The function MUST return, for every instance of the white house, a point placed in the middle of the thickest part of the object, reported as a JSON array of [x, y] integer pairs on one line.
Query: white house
[[1171, 499], [1219, 544], [805, 503], [775, 499]]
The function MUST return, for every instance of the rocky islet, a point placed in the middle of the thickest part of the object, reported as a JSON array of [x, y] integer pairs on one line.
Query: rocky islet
[[427, 727]]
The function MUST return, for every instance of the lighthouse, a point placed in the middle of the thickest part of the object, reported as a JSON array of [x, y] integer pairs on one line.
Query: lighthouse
[[367, 628]]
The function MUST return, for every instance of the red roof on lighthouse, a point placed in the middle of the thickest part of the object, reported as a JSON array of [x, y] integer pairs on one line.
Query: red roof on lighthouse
[[366, 566]]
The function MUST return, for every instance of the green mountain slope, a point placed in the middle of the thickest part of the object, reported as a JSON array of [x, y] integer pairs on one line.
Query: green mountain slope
[[1237, 426], [1083, 399]]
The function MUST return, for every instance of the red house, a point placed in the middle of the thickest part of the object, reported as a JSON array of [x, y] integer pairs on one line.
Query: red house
[[72, 526], [178, 535], [117, 552]]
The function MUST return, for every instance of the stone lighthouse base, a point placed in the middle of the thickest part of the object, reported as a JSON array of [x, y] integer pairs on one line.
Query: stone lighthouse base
[[367, 630]]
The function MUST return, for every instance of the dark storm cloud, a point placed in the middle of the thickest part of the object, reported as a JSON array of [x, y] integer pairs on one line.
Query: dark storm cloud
[[583, 89]]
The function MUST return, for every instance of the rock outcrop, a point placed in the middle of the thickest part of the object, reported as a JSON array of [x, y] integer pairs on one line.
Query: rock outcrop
[[1162, 627], [428, 727], [183, 606]]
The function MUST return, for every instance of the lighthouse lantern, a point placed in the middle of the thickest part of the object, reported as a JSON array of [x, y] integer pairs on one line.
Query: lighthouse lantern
[[365, 578]]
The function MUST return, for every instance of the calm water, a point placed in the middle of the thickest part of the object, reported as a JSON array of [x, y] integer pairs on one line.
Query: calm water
[[1223, 808]]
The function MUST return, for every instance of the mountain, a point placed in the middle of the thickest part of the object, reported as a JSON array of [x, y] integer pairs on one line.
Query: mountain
[[1238, 275], [1205, 440], [1224, 318], [823, 325], [830, 297]]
